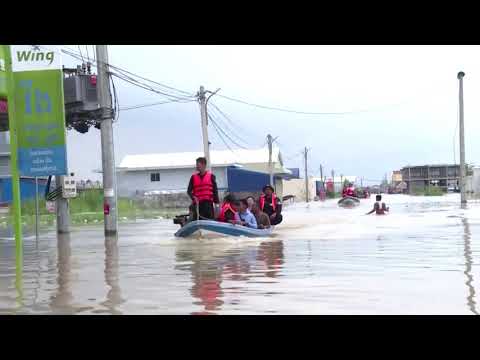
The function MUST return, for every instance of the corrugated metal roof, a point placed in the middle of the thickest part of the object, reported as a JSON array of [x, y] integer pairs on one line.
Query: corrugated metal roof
[[187, 159]]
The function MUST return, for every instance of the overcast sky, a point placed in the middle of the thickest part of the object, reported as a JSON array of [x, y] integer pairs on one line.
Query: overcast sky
[[403, 99]]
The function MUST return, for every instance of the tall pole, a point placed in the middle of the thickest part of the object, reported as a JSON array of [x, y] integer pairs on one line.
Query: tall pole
[[270, 167], [63, 218], [36, 208], [333, 181], [106, 130], [463, 199], [321, 177], [16, 205], [204, 116], [306, 174]]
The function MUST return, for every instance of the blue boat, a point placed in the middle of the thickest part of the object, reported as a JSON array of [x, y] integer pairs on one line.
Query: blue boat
[[221, 228]]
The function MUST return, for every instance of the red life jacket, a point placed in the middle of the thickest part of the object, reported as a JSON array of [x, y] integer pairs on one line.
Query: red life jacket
[[203, 187], [274, 201], [225, 208], [350, 191]]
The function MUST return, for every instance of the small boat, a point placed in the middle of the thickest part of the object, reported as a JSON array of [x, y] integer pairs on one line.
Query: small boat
[[221, 228], [348, 201]]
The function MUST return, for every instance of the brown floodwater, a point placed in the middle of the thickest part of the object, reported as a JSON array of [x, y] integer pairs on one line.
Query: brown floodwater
[[423, 258]]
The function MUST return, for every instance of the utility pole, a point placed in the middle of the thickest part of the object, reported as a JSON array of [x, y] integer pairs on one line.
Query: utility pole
[[270, 166], [333, 181], [306, 174], [63, 215], [463, 199], [321, 177], [106, 129], [203, 113]]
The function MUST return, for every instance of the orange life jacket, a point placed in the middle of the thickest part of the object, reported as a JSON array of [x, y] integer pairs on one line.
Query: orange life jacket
[[203, 187], [225, 207], [274, 201]]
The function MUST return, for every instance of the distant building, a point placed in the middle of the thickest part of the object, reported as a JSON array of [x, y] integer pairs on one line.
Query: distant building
[[419, 177], [240, 171], [396, 178]]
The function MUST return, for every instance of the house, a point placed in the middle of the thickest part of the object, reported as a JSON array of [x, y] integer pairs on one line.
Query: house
[[239, 171], [422, 176]]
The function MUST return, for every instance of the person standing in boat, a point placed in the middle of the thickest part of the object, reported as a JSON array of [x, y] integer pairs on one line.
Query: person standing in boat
[[203, 191], [271, 205]]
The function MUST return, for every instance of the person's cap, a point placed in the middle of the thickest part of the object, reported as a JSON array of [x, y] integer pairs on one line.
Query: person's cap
[[268, 186]]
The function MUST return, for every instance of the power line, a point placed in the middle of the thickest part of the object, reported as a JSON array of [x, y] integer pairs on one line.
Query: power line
[[219, 135], [81, 55], [153, 104], [229, 129], [285, 110], [226, 135], [228, 118], [72, 53]]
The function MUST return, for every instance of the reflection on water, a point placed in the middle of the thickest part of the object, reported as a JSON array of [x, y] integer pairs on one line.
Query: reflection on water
[[61, 300], [468, 267], [211, 264], [420, 259], [114, 297]]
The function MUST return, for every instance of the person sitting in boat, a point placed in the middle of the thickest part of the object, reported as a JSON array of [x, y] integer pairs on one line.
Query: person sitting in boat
[[203, 191], [246, 217], [349, 191], [229, 210], [263, 221], [251, 202], [271, 205], [379, 207]]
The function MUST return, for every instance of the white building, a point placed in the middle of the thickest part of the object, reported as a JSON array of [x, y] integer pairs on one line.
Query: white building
[[170, 172], [296, 187]]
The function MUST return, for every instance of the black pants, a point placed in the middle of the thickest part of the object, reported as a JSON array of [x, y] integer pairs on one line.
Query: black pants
[[278, 219], [205, 208]]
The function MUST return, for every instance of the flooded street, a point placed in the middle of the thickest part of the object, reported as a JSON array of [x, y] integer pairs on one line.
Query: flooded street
[[423, 258]]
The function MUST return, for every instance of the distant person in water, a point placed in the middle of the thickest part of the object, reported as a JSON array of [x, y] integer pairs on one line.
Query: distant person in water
[[379, 207], [271, 205]]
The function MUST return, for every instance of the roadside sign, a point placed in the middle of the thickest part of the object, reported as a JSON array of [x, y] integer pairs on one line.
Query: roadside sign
[[40, 110]]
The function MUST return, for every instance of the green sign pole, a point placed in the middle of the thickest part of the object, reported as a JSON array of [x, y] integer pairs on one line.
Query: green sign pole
[[17, 211]]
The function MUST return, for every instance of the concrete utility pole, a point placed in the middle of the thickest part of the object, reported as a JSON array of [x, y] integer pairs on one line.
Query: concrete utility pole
[[270, 165], [204, 117], [333, 181], [106, 129], [321, 176], [463, 199], [306, 174], [63, 215]]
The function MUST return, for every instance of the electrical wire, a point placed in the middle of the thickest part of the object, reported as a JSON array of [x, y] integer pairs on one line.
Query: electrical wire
[[81, 55], [228, 118], [153, 104], [226, 135], [219, 135], [121, 74], [286, 110], [119, 69], [227, 128]]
